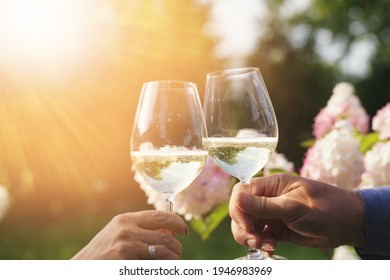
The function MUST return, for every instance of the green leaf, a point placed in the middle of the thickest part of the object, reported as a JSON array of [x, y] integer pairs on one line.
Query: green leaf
[[367, 141], [204, 227], [258, 174], [276, 171], [308, 143]]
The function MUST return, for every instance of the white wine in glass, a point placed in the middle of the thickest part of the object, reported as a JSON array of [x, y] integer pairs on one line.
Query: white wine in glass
[[166, 142], [241, 125]]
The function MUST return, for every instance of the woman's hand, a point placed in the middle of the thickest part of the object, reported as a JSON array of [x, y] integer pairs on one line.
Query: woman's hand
[[128, 236]]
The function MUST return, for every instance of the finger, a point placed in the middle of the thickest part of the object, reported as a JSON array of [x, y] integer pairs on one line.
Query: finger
[[166, 240], [245, 238], [235, 212], [240, 187], [269, 241], [164, 253], [261, 206], [154, 220], [241, 218], [269, 186], [160, 253]]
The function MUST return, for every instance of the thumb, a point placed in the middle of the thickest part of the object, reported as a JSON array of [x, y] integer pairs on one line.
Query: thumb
[[261, 206]]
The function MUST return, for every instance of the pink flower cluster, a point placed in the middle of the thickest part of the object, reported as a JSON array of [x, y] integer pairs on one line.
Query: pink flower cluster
[[377, 159], [343, 104], [381, 122], [377, 164], [335, 159]]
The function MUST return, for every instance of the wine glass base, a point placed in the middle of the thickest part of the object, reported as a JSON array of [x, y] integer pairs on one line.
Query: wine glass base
[[278, 258], [261, 256]]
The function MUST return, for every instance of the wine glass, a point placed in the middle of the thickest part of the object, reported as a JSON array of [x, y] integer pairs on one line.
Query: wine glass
[[166, 141], [241, 124]]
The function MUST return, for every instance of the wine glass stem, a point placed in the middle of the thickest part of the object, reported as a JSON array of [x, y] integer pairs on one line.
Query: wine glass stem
[[253, 253], [169, 208], [169, 204]]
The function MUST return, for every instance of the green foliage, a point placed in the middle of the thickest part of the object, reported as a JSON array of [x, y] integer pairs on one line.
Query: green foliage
[[204, 227], [308, 143], [367, 141]]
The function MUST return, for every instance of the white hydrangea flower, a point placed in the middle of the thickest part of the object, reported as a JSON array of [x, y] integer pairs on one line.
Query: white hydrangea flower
[[4, 201], [278, 161], [377, 165], [335, 159], [207, 191], [381, 122], [343, 104]]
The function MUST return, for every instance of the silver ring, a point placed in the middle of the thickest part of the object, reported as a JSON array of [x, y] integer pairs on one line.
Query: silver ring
[[152, 252]]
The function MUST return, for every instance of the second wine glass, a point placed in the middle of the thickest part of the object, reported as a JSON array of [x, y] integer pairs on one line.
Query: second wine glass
[[166, 141], [241, 124]]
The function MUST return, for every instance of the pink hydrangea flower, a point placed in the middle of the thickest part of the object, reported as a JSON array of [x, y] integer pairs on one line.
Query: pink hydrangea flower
[[207, 191], [377, 164], [335, 159], [343, 104], [381, 122]]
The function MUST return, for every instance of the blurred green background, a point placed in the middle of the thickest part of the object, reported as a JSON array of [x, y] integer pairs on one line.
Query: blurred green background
[[70, 77]]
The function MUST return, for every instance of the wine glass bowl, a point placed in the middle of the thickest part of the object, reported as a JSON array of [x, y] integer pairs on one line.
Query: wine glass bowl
[[241, 125], [166, 142]]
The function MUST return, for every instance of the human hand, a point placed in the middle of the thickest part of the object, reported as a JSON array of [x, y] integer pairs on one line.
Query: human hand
[[294, 209], [128, 236]]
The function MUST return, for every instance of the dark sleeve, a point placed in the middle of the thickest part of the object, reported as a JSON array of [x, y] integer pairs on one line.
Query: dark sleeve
[[377, 211]]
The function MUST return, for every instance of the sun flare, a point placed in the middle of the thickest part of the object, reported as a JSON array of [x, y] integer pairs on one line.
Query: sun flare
[[42, 29], [70, 77]]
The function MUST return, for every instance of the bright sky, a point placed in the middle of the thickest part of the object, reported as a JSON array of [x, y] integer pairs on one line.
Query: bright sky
[[238, 26]]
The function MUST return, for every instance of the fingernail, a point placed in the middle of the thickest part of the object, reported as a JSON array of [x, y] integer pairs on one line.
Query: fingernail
[[251, 243], [267, 246]]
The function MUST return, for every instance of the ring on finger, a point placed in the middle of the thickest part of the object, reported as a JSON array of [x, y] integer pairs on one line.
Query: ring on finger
[[152, 252]]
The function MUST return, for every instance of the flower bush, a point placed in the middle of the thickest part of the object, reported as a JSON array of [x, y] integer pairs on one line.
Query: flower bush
[[343, 152]]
